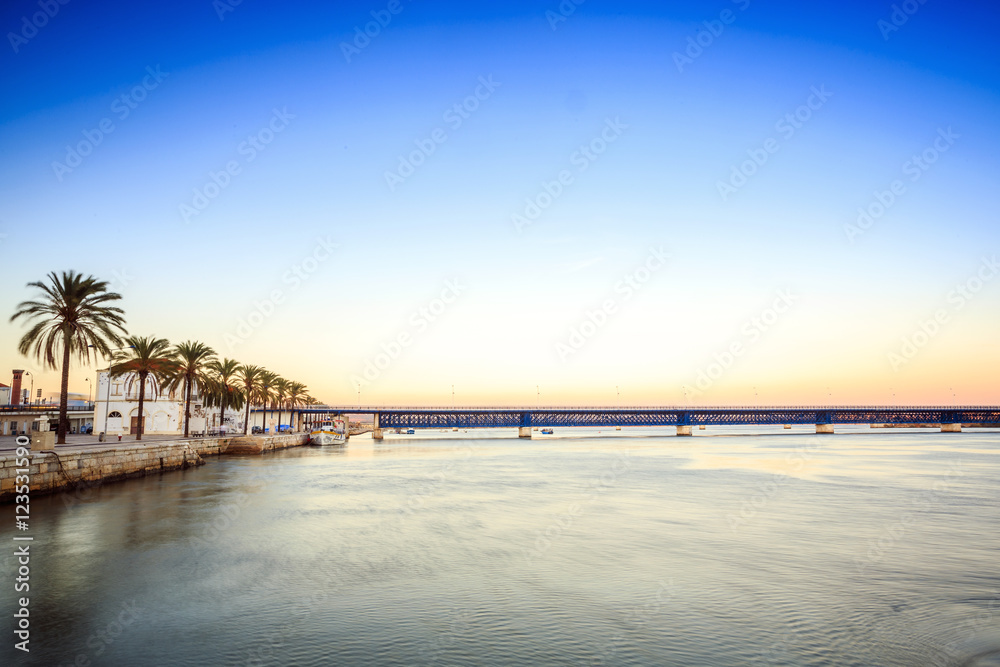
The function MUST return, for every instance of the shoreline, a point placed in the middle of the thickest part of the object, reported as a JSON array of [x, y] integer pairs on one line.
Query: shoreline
[[79, 468]]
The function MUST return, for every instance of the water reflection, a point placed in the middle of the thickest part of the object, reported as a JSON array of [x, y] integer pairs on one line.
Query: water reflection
[[745, 548]]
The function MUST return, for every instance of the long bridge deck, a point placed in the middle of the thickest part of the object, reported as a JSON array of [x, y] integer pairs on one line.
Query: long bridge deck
[[950, 418]]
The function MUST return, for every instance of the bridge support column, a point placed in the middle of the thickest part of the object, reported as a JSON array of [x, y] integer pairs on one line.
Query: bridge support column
[[684, 429], [951, 428], [377, 434], [824, 428], [524, 431], [377, 427]]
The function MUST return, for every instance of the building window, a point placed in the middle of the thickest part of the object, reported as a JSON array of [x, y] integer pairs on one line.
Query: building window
[[115, 415]]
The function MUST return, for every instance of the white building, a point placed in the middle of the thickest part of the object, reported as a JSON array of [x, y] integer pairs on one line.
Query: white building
[[117, 412], [4, 394]]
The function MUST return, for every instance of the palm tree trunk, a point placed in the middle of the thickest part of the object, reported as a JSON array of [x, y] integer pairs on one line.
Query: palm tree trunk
[[222, 413], [277, 429], [142, 397], [63, 395], [246, 420], [187, 405]]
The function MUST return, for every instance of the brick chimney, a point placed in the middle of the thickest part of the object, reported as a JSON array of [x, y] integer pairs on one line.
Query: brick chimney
[[15, 390]]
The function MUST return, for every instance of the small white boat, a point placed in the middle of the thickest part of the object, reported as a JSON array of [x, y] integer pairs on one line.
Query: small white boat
[[332, 432]]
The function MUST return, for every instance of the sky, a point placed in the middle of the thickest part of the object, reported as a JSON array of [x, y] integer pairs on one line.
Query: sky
[[428, 203]]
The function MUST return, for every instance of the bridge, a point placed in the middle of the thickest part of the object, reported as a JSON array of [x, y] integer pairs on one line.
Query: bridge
[[949, 418]]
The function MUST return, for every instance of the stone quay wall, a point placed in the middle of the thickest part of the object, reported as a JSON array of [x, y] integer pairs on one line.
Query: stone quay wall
[[73, 467]]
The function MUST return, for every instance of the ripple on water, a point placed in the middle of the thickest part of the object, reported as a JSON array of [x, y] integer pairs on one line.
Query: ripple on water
[[744, 549]]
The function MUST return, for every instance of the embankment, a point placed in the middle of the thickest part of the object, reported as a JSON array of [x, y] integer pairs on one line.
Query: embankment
[[74, 468]]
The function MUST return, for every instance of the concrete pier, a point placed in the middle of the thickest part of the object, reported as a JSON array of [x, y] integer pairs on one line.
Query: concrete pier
[[951, 428], [824, 428], [524, 431], [376, 434], [684, 430]]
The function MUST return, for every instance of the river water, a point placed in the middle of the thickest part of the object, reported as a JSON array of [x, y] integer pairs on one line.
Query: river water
[[737, 546]]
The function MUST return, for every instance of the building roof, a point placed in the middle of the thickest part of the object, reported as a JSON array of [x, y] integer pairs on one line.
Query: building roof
[[3, 386]]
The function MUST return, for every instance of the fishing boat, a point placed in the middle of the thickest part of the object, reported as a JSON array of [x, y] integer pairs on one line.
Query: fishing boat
[[546, 431], [330, 432]]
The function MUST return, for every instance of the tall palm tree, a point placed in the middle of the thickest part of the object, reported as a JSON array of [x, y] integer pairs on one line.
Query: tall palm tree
[[71, 316], [267, 379], [223, 388], [249, 378], [147, 357], [192, 363], [280, 387], [296, 393]]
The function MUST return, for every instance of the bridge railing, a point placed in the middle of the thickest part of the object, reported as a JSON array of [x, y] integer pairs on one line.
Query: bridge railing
[[628, 408]]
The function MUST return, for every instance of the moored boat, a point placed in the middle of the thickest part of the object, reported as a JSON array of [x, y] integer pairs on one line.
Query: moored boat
[[330, 432]]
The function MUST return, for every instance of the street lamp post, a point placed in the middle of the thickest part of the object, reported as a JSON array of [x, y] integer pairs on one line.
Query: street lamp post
[[263, 412], [31, 391], [90, 388]]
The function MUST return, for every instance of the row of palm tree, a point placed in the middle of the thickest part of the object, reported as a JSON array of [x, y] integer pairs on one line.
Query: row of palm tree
[[72, 317]]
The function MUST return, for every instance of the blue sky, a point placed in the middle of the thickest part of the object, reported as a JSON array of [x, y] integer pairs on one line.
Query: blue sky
[[328, 129]]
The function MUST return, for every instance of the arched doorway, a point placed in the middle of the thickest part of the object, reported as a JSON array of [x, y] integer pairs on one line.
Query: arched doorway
[[114, 421]]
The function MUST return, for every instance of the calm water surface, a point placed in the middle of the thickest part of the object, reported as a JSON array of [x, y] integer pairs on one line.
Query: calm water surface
[[732, 548]]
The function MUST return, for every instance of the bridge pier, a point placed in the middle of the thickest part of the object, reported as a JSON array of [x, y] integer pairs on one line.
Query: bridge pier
[[376, 427], [824, 428], [524, 431], [684, 429], [951, 428]]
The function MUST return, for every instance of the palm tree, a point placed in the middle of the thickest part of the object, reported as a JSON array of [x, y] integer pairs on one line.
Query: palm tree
[[249, 378], [223, 390], [70, 317], [267, 379], [147, 357], [192, 363], [280, 387], [296, 393]]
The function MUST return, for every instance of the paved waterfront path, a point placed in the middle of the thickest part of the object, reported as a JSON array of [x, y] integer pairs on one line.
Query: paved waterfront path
[[77, 442]]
